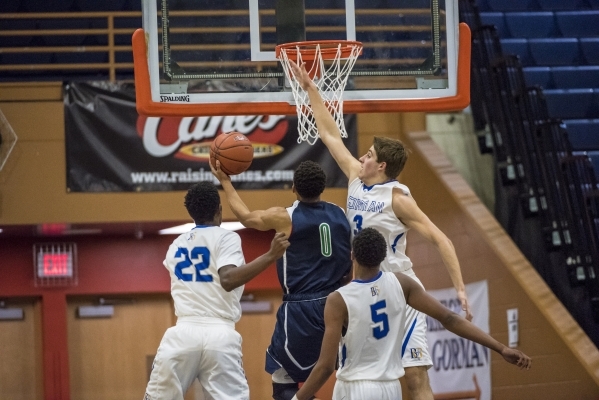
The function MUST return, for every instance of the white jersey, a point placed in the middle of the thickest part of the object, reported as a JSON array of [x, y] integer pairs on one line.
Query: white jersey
[[371, 206], [371, 347], [193, 261]]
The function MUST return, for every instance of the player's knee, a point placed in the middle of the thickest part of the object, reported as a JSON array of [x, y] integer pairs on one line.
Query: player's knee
[[284, 391]]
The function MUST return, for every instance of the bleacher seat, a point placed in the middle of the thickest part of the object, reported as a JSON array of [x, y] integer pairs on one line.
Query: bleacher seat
[[511, 5], [577, 77], [47, 5], [594, 156], [497, 19], [590, 50], [560, 4], [531, 24], [571, 103], [17, 25], [557, 51], [10, 6], [26, 58], [83, 57], [581, 23], [583, 133], [538, 76], [518, 47], [63, 23], [104, 5]]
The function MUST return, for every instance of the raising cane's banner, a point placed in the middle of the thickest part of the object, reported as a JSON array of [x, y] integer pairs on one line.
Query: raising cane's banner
[[461, 368], [110, 148]]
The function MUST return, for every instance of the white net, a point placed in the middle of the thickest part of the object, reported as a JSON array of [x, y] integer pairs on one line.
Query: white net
[[331, 79]]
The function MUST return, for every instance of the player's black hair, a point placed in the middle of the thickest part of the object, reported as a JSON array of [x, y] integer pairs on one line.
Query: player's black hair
[[391, 151], [309, 180], [369, 248], [202, 202]]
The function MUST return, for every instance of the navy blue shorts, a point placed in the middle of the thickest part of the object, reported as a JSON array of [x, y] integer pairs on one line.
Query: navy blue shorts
[[297, 338]]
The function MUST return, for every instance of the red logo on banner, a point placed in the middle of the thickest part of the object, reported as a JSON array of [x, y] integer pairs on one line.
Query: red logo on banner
[[190, 137]]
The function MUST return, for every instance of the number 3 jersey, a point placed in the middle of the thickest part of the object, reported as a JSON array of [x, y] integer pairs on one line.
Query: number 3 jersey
[[371, 346], [193, 261], [371, 207]]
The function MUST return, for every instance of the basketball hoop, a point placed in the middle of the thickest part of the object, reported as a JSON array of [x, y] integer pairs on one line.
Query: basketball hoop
[[330, 78]]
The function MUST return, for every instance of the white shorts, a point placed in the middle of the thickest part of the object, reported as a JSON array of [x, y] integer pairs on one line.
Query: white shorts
[[414, 345], [209, 350], [367, 390]]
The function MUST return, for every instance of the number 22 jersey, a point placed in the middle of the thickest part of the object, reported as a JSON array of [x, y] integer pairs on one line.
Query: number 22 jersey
[[193, 261]]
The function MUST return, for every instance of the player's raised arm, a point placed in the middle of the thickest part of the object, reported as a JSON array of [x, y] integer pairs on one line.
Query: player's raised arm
[[273, 218], [417, 298], [232, 276], [411, 215], [327, 127]]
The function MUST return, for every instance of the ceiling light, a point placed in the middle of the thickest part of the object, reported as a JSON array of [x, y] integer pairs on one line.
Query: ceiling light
[[177, 230]]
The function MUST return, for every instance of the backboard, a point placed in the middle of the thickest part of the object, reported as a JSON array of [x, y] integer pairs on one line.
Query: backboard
[[217, 57]]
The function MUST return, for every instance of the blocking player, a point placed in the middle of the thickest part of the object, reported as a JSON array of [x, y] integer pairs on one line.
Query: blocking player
[[376, 199], [371, 310], [316, 263], [207, 271]]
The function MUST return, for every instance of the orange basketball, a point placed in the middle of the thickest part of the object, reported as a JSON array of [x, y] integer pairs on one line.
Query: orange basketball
[[233, 150]]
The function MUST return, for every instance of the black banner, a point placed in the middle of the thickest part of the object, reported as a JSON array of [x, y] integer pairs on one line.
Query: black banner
[[110, 148]]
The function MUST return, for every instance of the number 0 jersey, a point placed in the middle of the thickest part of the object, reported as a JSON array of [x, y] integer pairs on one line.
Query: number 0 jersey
[[371, 206], [193, 261], [371, 346]]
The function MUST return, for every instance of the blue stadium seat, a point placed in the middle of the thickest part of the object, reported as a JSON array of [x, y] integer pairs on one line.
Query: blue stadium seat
[[586, 76], [17, 25], [104, 5], [532, 24], [571, 103], [63, 23], [578, 23], [26, 58], [518, 47], [583, 133], [590, 50], [10, 6], [496, 19], [594, 156], [538, 76], [558, 51], [561, 4], [511, 5]]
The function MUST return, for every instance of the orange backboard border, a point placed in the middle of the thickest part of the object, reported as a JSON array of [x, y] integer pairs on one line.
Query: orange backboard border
[[145, 106]]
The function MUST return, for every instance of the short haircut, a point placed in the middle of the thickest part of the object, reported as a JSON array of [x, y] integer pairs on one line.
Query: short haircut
[[202, 202], [309, 180], [392, 152], [369, 248]]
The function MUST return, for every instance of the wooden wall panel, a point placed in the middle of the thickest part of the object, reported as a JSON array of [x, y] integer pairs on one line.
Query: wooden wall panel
[[107, 356], [20, 354]]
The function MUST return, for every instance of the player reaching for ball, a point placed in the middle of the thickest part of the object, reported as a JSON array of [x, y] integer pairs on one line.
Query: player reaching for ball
[[207, 271], [233, 150], [316, 263]]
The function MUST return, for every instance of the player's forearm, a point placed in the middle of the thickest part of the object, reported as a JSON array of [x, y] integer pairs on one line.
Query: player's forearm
[[237, 205], [318, 377], [461, 327], [237, 276], [450, 259], [326, 125]]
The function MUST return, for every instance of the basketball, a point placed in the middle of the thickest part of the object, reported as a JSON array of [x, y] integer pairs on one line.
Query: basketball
[[233, 150]]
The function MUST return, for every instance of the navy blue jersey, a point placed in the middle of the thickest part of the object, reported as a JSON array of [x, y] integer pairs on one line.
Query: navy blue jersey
[[320, 251]]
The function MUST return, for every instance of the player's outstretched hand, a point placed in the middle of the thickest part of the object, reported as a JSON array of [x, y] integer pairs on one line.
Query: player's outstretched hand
[[465, 305], [218, 173], [278, 245], [517, 358], [301, 75]]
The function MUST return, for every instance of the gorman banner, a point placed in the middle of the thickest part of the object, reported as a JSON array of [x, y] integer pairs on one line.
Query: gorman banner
[[110, 148], [461, 368]]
